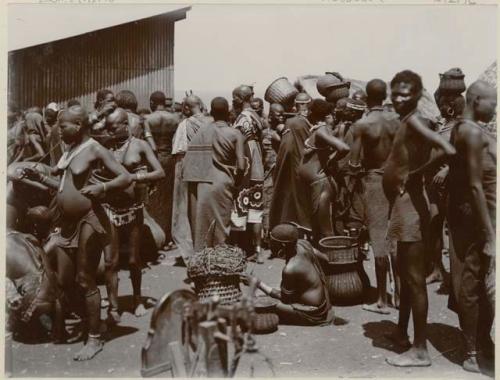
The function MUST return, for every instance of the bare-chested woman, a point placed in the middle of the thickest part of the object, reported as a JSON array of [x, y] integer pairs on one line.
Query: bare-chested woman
[[409, 211], [84, 227], [125, 209]]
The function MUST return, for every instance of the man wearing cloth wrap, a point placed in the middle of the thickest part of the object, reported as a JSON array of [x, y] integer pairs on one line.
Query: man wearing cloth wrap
[[303, 295], [372, 142], [472, 220], [409, 212]]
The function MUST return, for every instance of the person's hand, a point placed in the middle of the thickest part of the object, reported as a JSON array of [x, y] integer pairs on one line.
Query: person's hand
[[31, 174], [93, 191], [247, 279], [440, 178], [489, 248]]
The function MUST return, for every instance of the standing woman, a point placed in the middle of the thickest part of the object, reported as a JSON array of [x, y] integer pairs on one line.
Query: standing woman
[[126, 209]]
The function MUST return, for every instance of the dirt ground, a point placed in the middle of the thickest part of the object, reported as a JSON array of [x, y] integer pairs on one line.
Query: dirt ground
[[357, 349]]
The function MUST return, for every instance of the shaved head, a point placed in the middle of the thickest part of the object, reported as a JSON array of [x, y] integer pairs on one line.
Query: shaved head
[[74, 114], [480, 88], [192, 101], [243, 92], [376, 91], [276, 107], [481, 100], [219, 109]]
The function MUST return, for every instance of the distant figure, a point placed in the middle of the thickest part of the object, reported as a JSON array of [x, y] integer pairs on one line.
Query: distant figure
[[316, 171], [126, 100], [182, 210], [162, 126], [303, 295], [409, 212], [270, 144], [372, 142], [472, 219], [247, 214], [73, 102], [215, 199], [302, 101], [288, 199]]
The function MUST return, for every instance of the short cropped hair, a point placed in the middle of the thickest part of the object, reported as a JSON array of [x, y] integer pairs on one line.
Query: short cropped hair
[[408, 76]]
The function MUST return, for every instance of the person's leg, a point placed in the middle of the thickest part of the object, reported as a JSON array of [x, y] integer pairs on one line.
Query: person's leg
[[88, 254], [255, 235], [135, 263], [111, 260], [469, 306], [437, 272], [400, 335], [413, 272], [396, 278], [289, 316], [381, 270]]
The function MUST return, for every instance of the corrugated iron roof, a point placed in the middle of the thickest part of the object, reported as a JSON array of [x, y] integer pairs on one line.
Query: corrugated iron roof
[[35, 24]]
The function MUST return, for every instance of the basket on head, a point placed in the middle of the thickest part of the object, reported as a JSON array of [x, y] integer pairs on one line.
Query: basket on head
[[281, 91], [330, 81], [340, 249], [227, 288]]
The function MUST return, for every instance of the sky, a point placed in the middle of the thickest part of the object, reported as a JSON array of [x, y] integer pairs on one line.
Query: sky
[[220, 47]]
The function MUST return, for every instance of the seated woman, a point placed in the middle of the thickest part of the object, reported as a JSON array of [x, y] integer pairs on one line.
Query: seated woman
[[303, 295]]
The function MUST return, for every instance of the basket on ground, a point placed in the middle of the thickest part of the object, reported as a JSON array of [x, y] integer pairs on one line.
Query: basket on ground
[[340, 249]]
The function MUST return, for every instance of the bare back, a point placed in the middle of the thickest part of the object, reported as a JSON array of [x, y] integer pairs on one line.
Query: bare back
[[301, 275], [377, 130], [162, 125]]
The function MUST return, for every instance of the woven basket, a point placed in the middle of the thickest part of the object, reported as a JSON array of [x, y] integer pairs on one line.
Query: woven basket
[[227, 288], [281, 91], [265, 323], [340, 249]]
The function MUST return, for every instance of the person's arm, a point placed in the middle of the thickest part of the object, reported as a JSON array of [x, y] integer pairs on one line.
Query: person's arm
[[340, 147], [157, 173], [240, 152], [148, 136], [474, 145], [122, 177], [444, 149], [34, 141]]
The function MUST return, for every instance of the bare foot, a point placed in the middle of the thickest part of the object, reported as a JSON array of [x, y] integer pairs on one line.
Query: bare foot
[[114, 317], [400, 339], [260, 259], [139, 310], [376, 308], [411, 358], [470, 364], [435, 276], [89, 350]]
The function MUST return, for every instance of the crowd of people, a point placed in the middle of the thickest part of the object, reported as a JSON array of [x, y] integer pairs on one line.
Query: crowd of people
[[84, 183]]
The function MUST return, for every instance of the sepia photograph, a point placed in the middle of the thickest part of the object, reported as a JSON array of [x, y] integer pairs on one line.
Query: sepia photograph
[[250, 190]]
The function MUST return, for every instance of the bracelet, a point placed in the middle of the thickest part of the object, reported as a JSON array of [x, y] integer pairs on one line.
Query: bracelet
[[354, 166], [140, 177], [103, 187], [147, 134], [42, 178]]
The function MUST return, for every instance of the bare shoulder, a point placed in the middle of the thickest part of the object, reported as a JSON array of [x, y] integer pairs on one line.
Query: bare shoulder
[[468, 130], [417, 121]]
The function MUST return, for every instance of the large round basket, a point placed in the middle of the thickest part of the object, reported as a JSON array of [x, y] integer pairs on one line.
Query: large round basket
[[281, 91], [340, 249], [227, 288]]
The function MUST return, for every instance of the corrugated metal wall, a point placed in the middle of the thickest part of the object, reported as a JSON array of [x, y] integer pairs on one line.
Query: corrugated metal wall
[[138, 56]]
